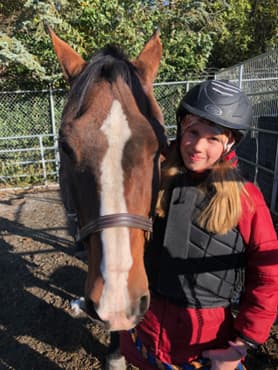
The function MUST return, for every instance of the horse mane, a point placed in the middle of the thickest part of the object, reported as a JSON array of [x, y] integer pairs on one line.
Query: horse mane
[[108, 64]]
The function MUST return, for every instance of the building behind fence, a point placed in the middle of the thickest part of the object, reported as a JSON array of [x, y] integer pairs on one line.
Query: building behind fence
[[29, 125]]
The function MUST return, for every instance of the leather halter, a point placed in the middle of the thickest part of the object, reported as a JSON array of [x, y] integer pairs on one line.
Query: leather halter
[[115, 220]]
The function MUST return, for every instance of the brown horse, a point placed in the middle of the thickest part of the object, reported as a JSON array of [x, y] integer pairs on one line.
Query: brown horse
[[110, 141]]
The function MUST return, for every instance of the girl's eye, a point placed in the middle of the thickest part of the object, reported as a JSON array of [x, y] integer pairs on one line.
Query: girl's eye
[[215, 139]]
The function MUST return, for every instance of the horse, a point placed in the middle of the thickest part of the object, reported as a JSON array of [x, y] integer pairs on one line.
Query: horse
[[110, 142]]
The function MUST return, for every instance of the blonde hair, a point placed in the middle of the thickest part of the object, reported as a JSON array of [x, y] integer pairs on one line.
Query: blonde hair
[[171, 167], [223, 210]]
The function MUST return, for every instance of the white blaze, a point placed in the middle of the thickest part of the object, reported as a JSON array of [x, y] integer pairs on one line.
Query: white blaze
[[117, 258]]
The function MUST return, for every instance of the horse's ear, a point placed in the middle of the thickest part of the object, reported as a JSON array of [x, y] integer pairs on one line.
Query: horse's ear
[[71, 62], [147, 62]]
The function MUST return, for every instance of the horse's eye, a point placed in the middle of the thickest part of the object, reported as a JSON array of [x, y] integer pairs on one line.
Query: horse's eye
[[64, 146]]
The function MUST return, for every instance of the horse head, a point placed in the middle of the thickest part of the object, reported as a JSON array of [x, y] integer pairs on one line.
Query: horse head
[[110, 140]]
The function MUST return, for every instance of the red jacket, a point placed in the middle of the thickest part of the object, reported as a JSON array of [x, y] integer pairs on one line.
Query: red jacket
[[259, 304], [175, 334]]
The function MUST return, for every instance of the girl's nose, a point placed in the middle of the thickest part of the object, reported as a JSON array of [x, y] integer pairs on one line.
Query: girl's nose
[[199, 144]]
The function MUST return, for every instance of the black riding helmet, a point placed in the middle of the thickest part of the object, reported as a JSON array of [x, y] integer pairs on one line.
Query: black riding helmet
[[220, 102]]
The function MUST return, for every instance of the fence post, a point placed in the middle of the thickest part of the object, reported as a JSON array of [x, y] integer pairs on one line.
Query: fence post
[[43, 160], [53, 128], [240, 76]]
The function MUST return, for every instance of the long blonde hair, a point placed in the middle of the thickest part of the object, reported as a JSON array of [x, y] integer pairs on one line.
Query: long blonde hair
[[223, 209]]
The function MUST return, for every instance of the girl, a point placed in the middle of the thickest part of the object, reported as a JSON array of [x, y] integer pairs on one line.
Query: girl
[[213, 244]]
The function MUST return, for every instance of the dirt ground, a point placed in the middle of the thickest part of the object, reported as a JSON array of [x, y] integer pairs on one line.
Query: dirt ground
[[39, 276]]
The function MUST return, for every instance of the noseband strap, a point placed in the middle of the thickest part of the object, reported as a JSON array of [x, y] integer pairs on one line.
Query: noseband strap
[[116, 220]]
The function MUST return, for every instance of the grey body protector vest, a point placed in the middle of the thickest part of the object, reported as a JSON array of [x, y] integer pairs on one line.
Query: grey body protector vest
[[189, 265]]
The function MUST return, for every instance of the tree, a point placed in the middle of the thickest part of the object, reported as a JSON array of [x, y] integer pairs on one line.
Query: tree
[[249, 28], [264, 26], [188, 31], [90, 24], [195, 34]]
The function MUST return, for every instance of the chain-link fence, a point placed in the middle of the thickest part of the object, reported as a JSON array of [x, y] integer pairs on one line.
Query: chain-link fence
[[258, 77], [28, 136], [169, 94], [29, 123]]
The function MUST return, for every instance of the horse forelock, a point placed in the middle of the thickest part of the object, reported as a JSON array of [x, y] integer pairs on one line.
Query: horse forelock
[[109, 64]]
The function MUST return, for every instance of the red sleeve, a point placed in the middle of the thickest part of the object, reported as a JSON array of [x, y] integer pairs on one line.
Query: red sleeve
[[258, 308]]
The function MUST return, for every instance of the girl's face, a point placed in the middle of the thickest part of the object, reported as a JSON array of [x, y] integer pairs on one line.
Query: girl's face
[[202, 143]]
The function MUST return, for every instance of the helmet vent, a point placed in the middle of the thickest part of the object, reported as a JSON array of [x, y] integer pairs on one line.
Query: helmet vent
[[223, 88]]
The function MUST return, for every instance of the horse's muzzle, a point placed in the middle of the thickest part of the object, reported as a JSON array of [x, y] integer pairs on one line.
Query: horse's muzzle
[[119, 320]]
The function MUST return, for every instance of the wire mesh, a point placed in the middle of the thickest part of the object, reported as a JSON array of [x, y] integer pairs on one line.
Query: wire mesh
[[169, 95], [28, 136]]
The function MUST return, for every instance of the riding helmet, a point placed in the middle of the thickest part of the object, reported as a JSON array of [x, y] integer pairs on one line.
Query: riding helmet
[[220, 102]]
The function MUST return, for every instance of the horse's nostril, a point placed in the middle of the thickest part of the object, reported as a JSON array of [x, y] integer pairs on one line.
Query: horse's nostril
[[92, 313], [144, 303]]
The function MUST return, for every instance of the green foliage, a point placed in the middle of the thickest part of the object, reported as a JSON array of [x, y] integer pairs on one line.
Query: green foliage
[[264, 25], [13, 51], [249, 28], [87, 25], [186, 37], [195, 34]]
